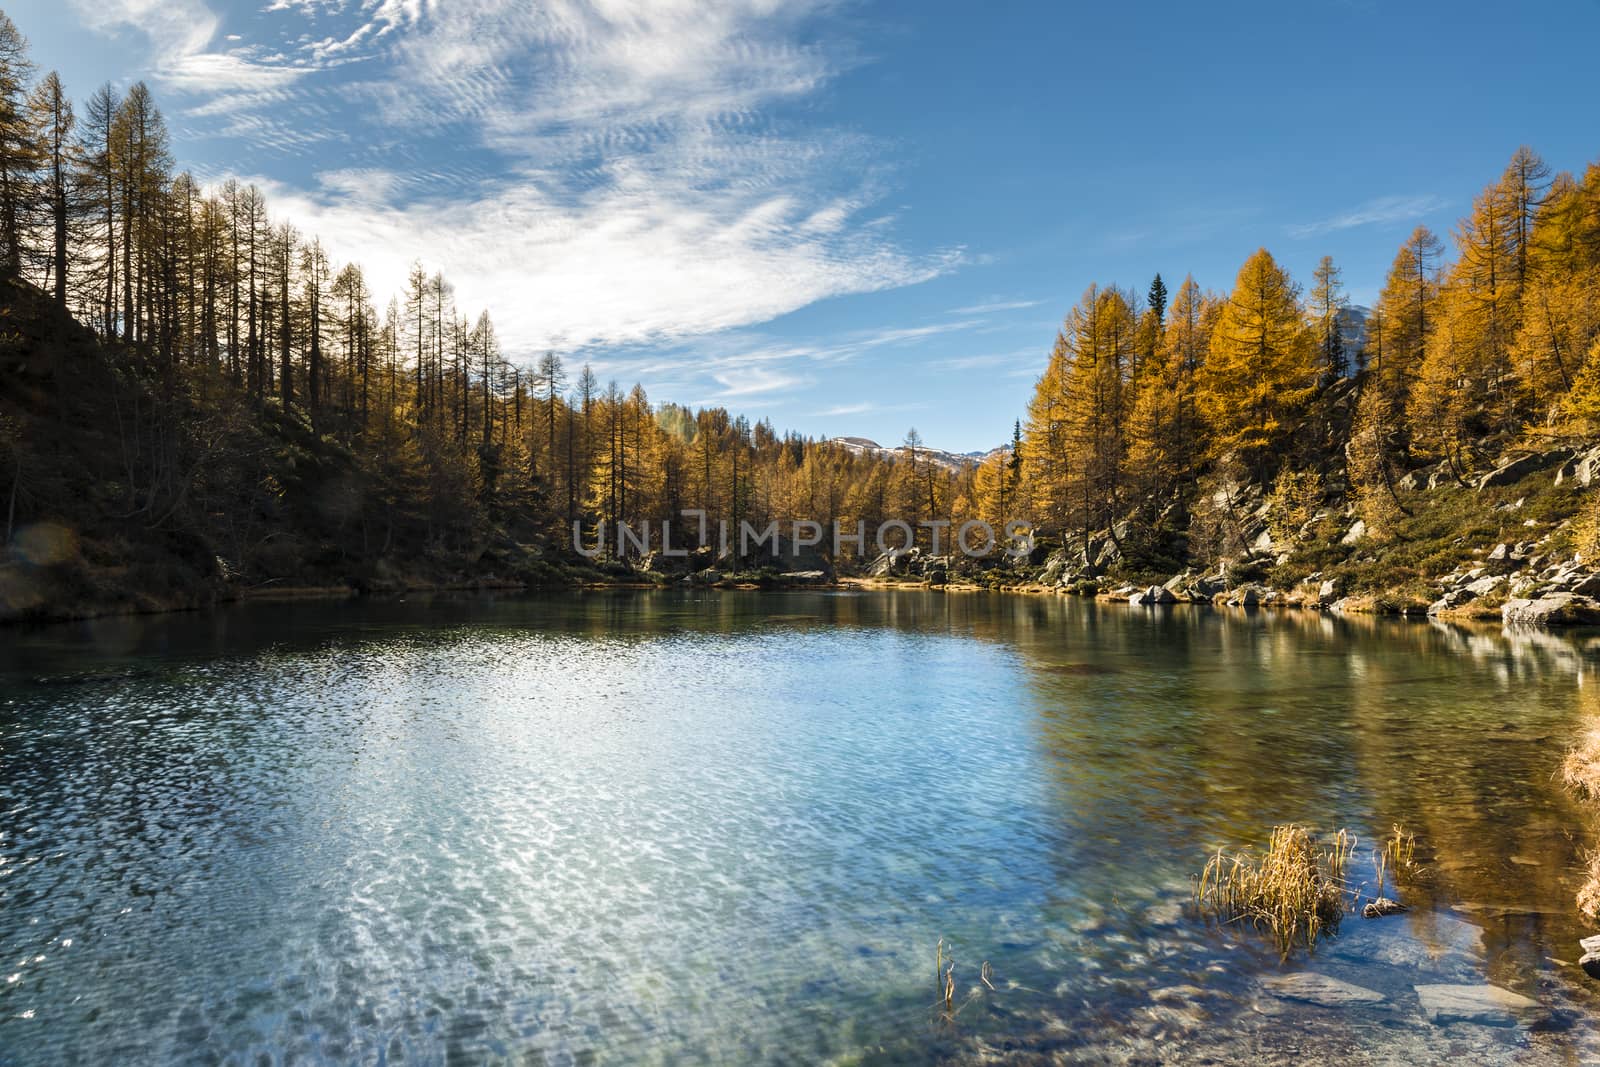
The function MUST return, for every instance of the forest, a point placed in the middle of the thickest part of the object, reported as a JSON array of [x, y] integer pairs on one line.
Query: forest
[[197, 396]]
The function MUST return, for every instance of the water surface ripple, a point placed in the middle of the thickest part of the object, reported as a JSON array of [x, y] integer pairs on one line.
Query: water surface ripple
[[699, 827]]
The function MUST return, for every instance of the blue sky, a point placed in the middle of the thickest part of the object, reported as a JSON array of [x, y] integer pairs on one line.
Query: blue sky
[[850, 218]]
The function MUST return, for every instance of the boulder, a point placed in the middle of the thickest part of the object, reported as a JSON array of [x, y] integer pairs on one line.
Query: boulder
[[1484, 586], [1556, 609], [1055, 568], [1586, 585], [1510, 471], [1328, 592], [658, 562], [1355, 533], [1587, 467], [1580, 468], [1488, 1005]]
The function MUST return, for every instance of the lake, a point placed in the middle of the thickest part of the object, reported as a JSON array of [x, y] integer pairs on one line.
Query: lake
[[686, 827]]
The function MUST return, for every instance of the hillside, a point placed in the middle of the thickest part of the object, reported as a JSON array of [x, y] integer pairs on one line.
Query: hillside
[[131, 489]]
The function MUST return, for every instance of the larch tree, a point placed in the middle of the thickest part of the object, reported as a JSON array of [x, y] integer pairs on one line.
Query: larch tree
[[1327, 308], [97, 185], [19, 150], [1165, 442], [1259, 373], [50, 113]]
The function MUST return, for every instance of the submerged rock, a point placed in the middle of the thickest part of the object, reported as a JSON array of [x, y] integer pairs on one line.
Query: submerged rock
[[1321, 989], [1377, 909], [1488, 1005]]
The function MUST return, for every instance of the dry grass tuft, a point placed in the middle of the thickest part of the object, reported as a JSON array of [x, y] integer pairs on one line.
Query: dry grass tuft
[[1295, 891], [1581, 769], [1589, 892]]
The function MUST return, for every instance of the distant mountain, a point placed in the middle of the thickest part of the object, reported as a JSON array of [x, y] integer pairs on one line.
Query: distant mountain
[[1353, 329], [950, 460]]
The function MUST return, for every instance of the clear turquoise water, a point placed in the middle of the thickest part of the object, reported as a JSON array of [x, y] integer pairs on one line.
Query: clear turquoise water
[[733, 827]]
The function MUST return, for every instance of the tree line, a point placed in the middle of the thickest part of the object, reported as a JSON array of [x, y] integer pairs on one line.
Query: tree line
[[1150, 407], [224, 308]]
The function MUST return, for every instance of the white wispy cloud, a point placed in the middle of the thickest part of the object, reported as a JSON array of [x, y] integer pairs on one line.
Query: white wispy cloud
[[1031, 356], [996, 307], [615, 267], [598, 173], [1377, 212], [180, 33], [845, 409]]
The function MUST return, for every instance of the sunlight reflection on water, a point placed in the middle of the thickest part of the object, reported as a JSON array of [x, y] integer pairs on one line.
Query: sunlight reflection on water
[[668, 827]]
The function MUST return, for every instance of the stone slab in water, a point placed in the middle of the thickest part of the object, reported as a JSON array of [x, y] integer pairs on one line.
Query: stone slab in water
[[1321, 989], [1486, 1004]]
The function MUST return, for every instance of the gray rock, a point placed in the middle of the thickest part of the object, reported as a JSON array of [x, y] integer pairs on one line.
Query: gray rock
[[1588, 585], [1329, 592], [1580, 468], [1321, 989], [1488, 1005], [1381, 907], [1555, 609], [1485, 586], [1355, 533], [1590, 962], [1517, 469], [1590, 944]]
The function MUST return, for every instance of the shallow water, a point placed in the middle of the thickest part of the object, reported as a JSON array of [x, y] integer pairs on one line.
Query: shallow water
[[733, 827]]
